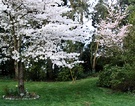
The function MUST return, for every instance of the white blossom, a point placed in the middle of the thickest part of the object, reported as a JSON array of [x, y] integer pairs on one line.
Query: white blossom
[[35, 29]]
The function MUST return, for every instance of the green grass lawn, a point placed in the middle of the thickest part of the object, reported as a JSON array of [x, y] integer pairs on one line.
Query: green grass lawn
[[82, 93]]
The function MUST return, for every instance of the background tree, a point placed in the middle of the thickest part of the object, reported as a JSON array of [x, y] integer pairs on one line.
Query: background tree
[[119, 73], [110, 30], [110, 34], [131, 12], [100, 12], [129, 40], [80, 9]]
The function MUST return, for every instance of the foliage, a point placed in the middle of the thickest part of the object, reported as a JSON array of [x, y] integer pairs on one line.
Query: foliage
[[78, 71], [104, 77], [131, 9], [66, 75], [88, 55], [100, 12], [70, 46], [7, 69], [118, 78], [85, 56], [129, 47], [79, 10], [45, 71], [36, 72]]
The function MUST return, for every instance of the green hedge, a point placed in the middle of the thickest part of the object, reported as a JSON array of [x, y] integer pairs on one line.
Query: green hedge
[[118, 78]]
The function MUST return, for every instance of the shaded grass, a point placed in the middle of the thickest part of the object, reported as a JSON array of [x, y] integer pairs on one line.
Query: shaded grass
[[82, 93]]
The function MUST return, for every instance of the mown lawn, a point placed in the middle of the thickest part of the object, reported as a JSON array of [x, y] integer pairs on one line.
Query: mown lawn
[[82, 93]]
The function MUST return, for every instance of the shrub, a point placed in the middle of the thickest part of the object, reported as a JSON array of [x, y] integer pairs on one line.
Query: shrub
[[78, 71], [65, 73], [105, 77], [118, 78]]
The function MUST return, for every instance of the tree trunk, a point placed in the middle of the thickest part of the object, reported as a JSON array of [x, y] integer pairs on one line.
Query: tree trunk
[[18, 65], [72, 76], [94, 59], [15, 45], [16, 69], [21, 78], [91, 55]]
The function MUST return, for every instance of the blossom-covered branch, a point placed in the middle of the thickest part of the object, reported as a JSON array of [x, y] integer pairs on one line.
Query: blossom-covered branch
[[110, 32]]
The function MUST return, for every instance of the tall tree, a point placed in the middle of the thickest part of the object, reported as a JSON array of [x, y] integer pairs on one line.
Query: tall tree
[[110, 33], [35, 30], [129, 45], [79, 10], [100, 12]]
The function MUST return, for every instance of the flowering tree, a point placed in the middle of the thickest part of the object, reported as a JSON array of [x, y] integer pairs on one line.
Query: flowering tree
[[110, 32], [35, 30]]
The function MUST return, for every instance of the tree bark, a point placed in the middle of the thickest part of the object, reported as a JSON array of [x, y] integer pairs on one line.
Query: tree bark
[[15, 44], [18, 64], [21, 78], [81, 18], [94, 59], [72, 76]]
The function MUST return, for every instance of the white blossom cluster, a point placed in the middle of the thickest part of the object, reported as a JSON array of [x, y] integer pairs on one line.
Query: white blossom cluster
[[34, 29]]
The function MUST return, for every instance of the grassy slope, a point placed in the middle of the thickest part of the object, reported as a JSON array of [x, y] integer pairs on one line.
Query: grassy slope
[[82, 93]]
